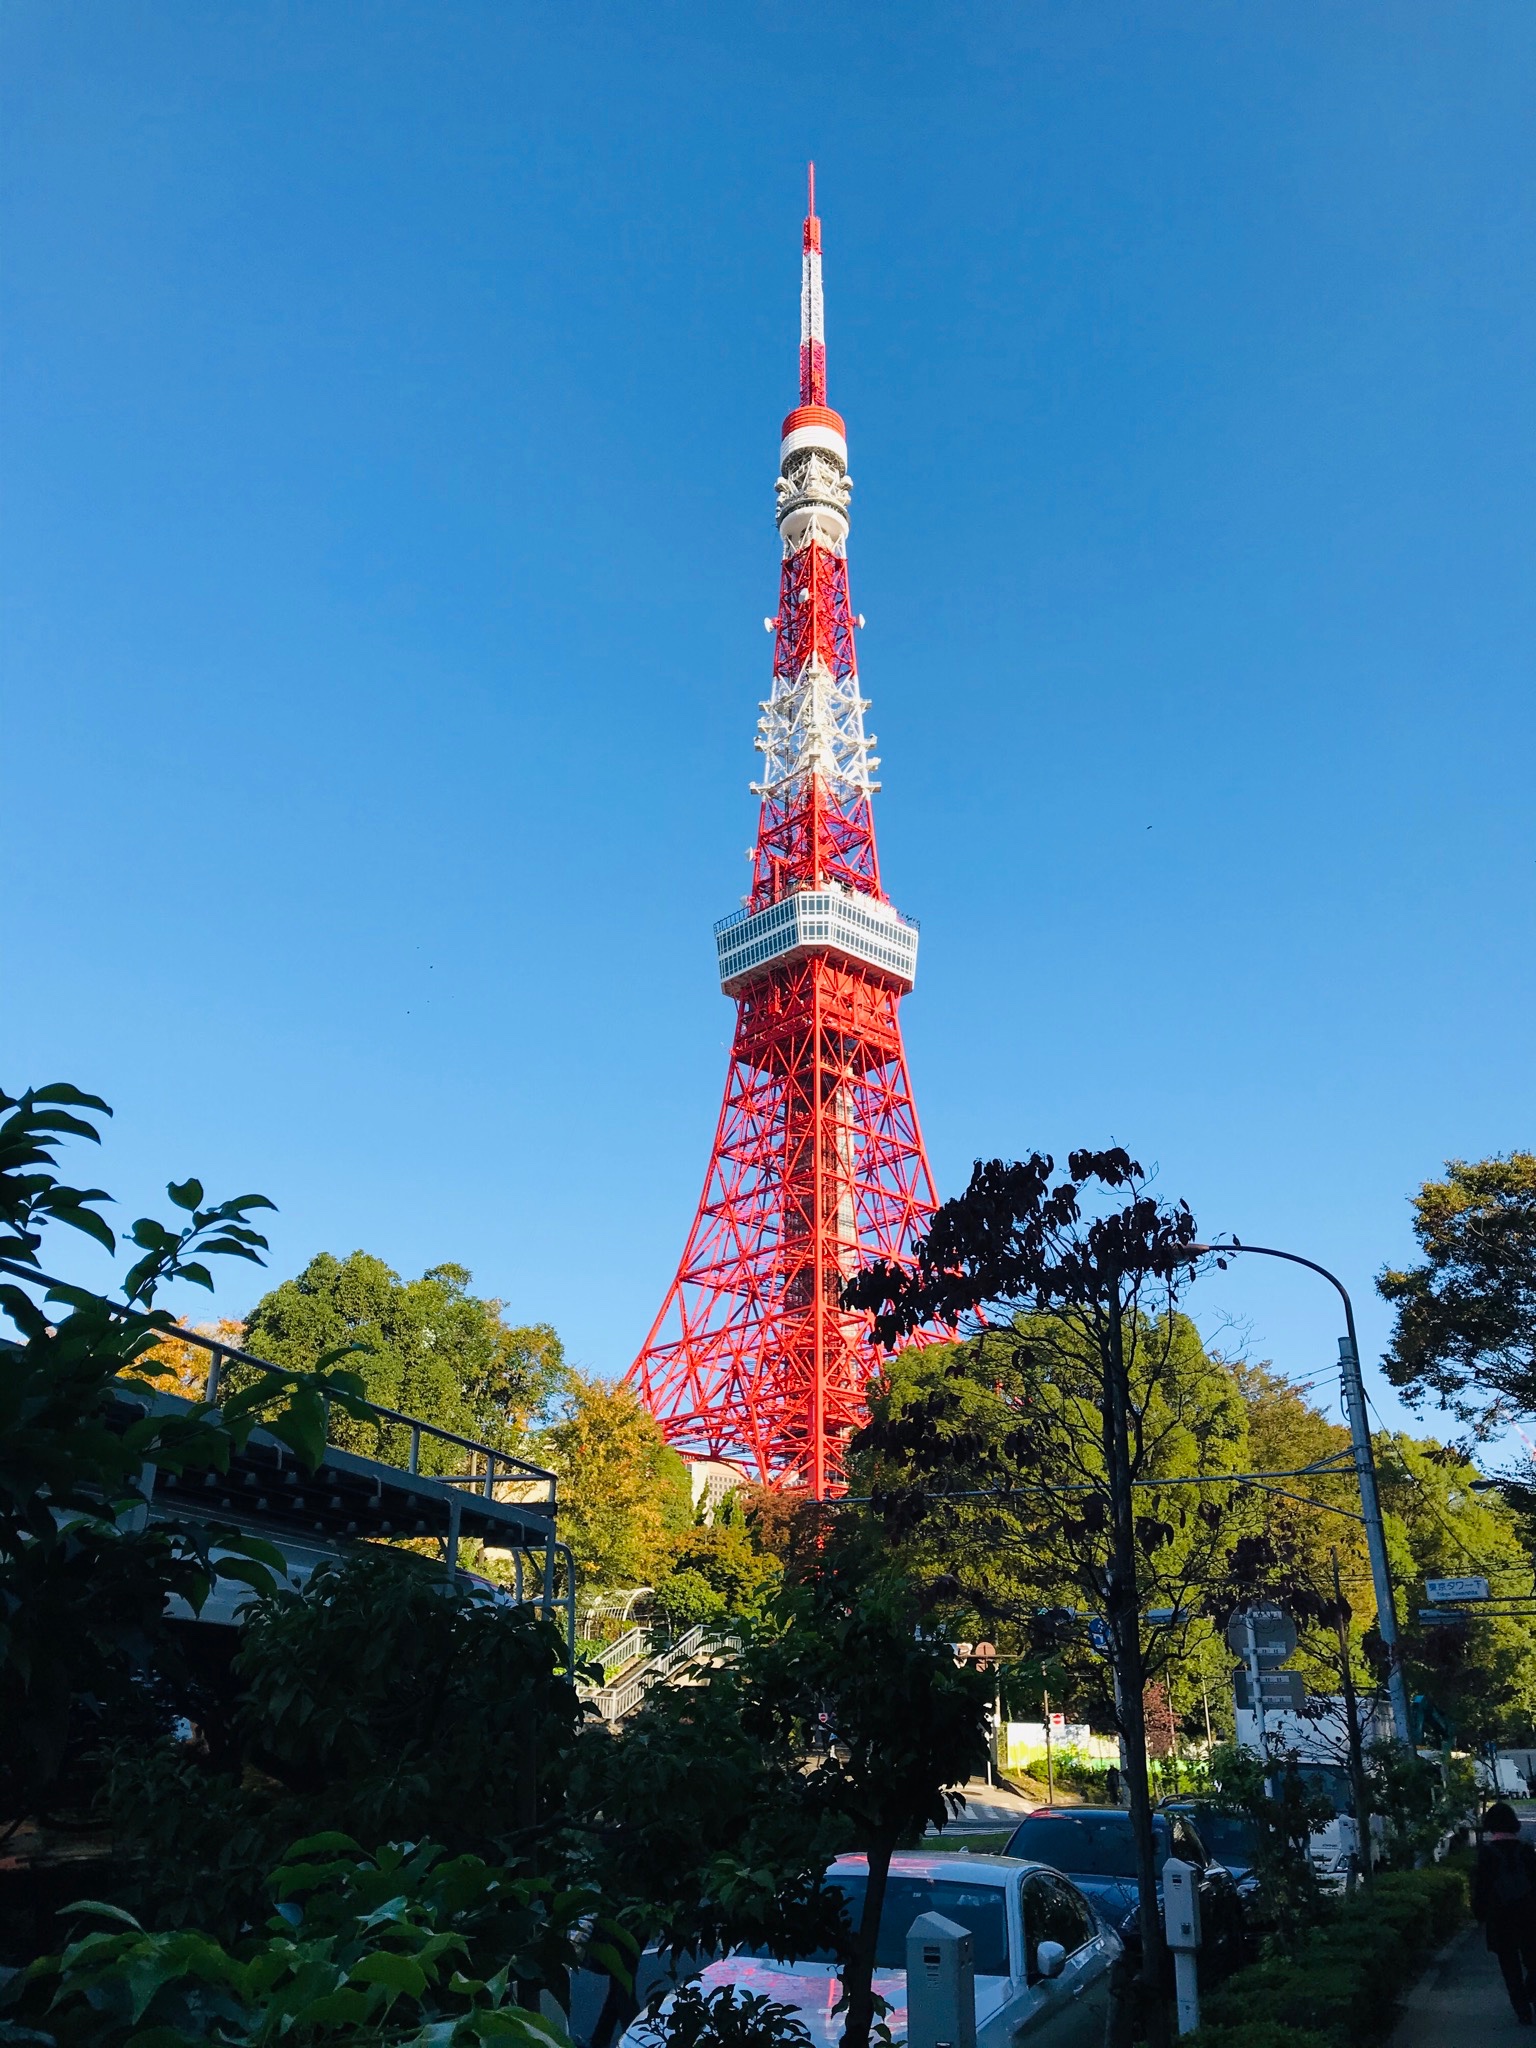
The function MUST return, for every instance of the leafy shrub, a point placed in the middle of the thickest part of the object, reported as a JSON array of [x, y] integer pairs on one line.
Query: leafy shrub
[[726, 2018], [382, 1701], [1339, 1989], [399, 1947]]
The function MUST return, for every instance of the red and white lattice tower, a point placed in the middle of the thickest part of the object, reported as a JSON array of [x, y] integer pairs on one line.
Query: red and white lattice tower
[[818, 1161]]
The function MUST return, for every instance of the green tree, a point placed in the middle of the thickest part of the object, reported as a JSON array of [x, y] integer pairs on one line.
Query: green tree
[[1276, 1799], [1081, 1295], [428, 1348], [1466, 1315], [722, 1557], [85, 1575], [697, 1827], [1480, 1676], [624, 1494], [987, 1462]]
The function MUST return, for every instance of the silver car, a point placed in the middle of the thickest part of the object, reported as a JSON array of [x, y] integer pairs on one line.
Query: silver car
[[1042, 1953]]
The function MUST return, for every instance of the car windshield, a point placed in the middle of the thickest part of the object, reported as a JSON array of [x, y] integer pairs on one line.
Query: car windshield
[[1330, 1779], [1088, 1845], [980, 1908], [1228, 1839]]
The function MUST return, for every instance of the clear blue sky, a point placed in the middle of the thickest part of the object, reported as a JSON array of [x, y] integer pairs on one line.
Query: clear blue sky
[[390, 419]]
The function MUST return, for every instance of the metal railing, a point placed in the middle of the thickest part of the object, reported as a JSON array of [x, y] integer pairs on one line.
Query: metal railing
[[506, 1480], [502, 1469], [500, 1466], [614, 1702], [633, 1644]]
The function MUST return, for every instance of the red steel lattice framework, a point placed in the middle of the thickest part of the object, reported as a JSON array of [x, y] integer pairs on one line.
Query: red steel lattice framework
[[818, 1160]]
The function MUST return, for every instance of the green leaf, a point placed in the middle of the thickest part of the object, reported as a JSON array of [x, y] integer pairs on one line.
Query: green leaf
[[101, 1906], [382, 1916], [302, 1427], [196, 1272], [330, 1842], [602, 1955], [66, 1126], [398, 1973], [246, 1572], [63, 1091], [90, 1223], [346, 2006], [294, 1878], [246, 1545], [186, 1194]]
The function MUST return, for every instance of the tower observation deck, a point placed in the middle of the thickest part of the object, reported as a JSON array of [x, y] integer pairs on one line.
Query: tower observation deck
[[818, 1163]]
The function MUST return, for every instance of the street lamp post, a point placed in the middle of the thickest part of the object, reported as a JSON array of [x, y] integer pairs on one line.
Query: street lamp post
[[1365, 1472]]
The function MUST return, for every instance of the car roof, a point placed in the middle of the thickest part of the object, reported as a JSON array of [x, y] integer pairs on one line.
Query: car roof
[[952, 1863], [1100, 1813]]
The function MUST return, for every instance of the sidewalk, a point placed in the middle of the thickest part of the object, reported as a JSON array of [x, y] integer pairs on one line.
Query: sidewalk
[[1459, 2000]]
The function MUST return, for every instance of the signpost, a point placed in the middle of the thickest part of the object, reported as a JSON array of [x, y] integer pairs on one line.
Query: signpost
[[1264, 1637], [1279, 1691], [1274, 1633], [1474, 1588]]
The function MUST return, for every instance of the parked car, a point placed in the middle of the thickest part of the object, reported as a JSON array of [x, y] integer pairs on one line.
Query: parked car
[[1093, 1846], [1230, 1839], [1042, 1954]]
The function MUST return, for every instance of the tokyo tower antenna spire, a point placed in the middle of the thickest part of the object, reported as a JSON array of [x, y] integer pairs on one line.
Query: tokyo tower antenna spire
[[818, 1162]]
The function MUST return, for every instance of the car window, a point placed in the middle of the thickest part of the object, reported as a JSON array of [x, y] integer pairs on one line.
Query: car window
[[1051, 1913], [1187, 1844], [1094, 1843], [981, 1909], [1229, 1839], [1076, 1914]]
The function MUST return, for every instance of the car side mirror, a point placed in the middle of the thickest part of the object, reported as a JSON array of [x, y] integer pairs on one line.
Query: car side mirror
[[1050, 1959]]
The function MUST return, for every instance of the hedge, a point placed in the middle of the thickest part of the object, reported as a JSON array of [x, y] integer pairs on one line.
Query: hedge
[[1340, 1989]]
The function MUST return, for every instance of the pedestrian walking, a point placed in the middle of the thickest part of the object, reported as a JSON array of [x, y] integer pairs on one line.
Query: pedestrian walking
[[1504, 1900]]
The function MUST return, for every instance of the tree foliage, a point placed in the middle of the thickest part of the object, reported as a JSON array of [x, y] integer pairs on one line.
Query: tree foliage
[[85, 1574], [624, 1495], [1466, 1315], [858, 1678], [428, 1348], [382, 1701], [986, 1458]]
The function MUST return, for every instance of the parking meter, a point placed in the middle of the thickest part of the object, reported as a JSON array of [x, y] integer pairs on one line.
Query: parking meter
[[941, 1984], [1181, 1929]]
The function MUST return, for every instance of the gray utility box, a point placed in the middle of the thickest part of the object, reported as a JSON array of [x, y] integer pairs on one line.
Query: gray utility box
[[1181, 1904], [941, 1984]]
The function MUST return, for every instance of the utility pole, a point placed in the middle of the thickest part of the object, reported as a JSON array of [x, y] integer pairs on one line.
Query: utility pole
[[1352, 1727], [1375, 1534]]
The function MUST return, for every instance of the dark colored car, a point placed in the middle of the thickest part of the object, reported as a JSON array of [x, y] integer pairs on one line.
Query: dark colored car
[[1231, 1840], [1093, 1845]]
